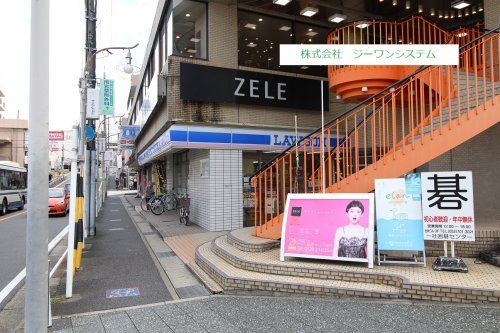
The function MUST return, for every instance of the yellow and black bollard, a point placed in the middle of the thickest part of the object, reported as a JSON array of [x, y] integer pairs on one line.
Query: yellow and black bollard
[[79, 223]]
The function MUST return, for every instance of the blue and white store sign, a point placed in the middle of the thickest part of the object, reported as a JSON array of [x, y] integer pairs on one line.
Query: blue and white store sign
[[208, 137]]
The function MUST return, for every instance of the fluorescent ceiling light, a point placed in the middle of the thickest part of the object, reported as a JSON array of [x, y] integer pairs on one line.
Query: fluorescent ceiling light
[[285, 28], [312, 33], [250, 26], [462, 34], [191, 50], [362, 25], [460, 4], [252, 45], [337, 18], [309, 11], [281, 2], [195, 40], [304, 67]]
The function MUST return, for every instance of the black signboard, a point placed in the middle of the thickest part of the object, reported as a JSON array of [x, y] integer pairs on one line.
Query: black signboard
[[215, 84]]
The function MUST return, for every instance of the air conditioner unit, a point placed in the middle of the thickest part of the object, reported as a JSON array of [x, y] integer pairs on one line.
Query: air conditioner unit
[[162, 85], [164, 69]]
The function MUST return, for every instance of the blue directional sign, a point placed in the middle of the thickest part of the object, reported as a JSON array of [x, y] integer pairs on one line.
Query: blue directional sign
[[89, 133]]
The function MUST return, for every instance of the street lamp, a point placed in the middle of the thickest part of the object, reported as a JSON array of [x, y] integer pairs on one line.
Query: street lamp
[[128, 68]]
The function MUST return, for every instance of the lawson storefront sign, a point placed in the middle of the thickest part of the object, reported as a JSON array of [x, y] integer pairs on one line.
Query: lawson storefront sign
[[207, 137]]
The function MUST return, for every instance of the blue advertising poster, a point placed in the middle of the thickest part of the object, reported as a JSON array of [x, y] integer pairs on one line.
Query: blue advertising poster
[[399, 216]]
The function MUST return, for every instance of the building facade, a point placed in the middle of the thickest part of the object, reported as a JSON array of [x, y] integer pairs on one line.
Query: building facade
[[214, 105], [13, 140]]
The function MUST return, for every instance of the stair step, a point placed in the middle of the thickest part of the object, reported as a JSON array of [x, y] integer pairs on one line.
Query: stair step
[[243, 240], [209, 283], [268, 262], [236, 280]]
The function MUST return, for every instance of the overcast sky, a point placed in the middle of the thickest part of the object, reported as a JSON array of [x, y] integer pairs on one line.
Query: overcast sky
[[120, 23]]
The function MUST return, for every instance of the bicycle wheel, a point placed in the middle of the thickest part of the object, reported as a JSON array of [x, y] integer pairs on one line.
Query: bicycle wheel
[[156, 206], [181, 215], [173, 202], [167, 202], [144, 204]]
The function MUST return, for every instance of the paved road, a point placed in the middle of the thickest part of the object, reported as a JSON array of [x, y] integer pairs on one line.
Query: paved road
[[287, 314], [13, 242]]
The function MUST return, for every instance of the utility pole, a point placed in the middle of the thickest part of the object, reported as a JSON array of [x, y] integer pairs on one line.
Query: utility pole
[[90, 78], [37, 268]]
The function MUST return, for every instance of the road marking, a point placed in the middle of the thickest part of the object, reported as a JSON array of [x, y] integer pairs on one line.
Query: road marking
[[125, 292], [116, 229], [114, 210], [11, 216], [117, 220]]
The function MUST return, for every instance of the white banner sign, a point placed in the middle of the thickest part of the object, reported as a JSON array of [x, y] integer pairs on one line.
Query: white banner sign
[[368, 54], [101, 145], [108, 155], [92, 103], [448, 206]]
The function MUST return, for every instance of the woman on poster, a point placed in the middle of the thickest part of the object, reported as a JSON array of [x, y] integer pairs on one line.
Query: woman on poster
[[351, 240]]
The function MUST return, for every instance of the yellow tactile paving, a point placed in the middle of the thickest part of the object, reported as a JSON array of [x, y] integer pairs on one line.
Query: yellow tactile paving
[[482, 276], [184, 246], [234, 272]]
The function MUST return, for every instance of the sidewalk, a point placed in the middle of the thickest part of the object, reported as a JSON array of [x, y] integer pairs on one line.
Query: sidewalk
[[182, 239], [117, 269], [286, 314], [173, 244]]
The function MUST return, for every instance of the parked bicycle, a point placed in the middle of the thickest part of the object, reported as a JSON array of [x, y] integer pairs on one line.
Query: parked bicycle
[[153, 204], [169, 200], [183, 202]]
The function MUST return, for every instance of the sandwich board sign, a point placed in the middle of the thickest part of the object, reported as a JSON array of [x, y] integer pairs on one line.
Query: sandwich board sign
[[399, 216]]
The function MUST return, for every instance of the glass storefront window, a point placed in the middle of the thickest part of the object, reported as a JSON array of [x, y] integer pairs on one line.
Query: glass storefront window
[[259, 37], [258, 41], [189, 36]]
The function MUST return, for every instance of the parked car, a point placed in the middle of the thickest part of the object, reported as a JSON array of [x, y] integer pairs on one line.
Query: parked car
[[58, 201]]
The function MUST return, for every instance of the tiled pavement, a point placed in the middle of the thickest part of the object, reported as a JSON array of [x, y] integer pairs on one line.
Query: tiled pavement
[[286, 314]]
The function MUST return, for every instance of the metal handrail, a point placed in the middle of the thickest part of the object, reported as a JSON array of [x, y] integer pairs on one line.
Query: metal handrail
[[342, 115], [426, 94]]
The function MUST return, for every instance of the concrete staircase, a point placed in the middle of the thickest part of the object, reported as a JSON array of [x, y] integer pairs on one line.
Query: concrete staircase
[[242, 264]]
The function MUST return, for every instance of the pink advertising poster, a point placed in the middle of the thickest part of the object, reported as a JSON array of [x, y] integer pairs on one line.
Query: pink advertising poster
[[329, 226]]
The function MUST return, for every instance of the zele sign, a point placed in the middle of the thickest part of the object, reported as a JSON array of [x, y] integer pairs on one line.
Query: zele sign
[[253, 89], [224, 85]]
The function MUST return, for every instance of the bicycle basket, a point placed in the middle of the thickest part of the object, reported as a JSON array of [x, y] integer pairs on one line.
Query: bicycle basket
[[184, 202]]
